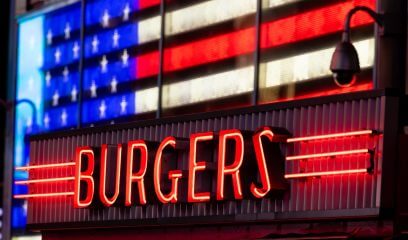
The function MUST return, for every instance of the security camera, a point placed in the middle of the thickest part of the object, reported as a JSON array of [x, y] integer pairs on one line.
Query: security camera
[[344, 64]]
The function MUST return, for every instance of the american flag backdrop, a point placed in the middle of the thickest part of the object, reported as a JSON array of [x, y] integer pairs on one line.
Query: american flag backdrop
[[208, 53], [208, 58]]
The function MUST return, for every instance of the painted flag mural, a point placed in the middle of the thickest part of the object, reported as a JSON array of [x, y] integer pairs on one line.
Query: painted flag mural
[[208, 60]]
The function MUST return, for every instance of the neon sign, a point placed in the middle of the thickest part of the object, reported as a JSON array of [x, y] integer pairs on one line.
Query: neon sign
[[241, 164]]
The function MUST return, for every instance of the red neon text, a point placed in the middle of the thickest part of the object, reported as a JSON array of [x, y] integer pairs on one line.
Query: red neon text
[[190, 165]]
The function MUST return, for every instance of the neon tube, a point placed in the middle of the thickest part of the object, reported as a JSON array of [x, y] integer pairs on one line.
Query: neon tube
[[27, 168], [335, 135], [47, 180], [38, 195], [328, 173], [329, 154]]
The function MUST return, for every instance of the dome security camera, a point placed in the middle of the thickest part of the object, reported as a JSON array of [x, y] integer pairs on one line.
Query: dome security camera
[[344, 64]]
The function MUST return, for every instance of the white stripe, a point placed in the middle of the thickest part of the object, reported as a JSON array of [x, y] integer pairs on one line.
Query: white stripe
[[207, 13], [146, 100], [200, 15], [27, 238], [310, 65], [149, 29], [208, 87], [276, 3]]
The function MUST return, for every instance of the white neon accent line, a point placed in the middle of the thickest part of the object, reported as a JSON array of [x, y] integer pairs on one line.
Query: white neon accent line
[[310, 65], [328, 173], [334, 135], [329, 154]]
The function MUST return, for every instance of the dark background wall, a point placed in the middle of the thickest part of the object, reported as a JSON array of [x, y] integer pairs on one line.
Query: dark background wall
[[4, 65]]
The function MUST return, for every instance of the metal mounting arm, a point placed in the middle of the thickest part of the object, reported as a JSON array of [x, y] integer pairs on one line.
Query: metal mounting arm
[[378, 18]]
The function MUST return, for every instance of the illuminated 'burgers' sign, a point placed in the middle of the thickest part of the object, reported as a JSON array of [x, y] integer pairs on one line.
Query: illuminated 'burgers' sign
[[240, 164]]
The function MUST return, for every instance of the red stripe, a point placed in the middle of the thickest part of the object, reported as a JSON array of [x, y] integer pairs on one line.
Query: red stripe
[[291, 29], [328, 92], [148, 3], [312, 24], [147, 64]]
